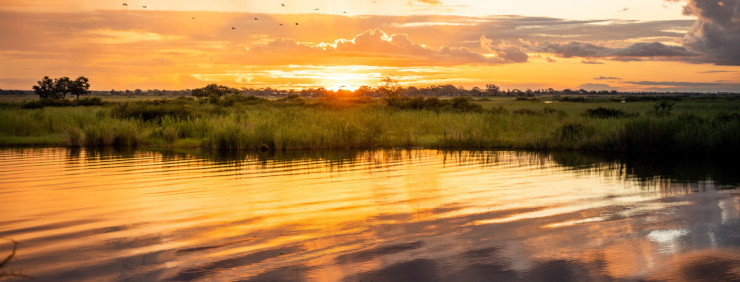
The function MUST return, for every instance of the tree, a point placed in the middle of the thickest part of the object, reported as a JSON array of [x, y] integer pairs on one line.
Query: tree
[[492, 89], [45, 89], [390, 90], [61, 87], [214, 90], [79, 86]]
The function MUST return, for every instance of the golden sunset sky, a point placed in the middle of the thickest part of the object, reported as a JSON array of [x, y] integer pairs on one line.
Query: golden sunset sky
[[629, 45]]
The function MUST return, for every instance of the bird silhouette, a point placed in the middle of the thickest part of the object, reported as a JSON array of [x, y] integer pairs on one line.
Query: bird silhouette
[[233, 28], [193, 17], [144, 7], [256, 19], [296, 23], [281, 24], [282, 4], [125, 4], [316, 9]]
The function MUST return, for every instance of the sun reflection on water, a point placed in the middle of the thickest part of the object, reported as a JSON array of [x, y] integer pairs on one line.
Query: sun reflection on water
[[366, 215]]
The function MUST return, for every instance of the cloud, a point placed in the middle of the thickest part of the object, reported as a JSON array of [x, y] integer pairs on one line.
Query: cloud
[[607, 78], [715, 71], [596, 87], [637, 50], [375, 47], [716, 32], [430, 2], [506, 51], [682, 86], [591, 62], [674, 83]]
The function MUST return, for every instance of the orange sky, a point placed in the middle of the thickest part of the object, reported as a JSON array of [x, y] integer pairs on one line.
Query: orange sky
[[594, 44]]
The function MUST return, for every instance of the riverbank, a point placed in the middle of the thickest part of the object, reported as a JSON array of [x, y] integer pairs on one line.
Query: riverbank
[[687, 126]]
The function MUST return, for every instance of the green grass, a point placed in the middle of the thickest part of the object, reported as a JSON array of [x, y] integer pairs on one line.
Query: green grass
[[693, 126]]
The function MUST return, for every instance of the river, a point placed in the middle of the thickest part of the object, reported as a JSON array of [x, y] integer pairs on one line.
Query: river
[[385, 215]]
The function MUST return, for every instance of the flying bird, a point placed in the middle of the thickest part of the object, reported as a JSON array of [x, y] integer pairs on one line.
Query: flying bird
[[281, 24], [232, 28], [144, 7], [125, 4], [282, 4], [296, 23], [255, 19], [316, 9]]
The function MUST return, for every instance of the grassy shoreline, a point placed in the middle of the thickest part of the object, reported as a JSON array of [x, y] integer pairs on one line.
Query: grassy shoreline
[[690, 127]]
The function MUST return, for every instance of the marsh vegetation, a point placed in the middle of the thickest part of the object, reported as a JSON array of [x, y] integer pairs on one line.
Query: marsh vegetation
[[219, 119]]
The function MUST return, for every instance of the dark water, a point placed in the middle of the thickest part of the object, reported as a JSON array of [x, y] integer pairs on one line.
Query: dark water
[[419, 215]]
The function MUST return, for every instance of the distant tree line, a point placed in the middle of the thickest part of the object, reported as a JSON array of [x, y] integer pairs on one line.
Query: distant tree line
[[389, 89], [59, 88]]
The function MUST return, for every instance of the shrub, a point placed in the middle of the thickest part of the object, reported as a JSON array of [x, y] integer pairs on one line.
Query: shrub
[[151, 112], [602, 112], [527, 112], [170, 134], [663, 108], [93, 101], [574, 132], [575, 99]]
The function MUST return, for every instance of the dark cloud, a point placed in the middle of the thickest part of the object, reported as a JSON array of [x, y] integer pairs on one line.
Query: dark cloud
[[674, 83], [681, 86], [591, 62], [715, 71], [596, 87], [716, 32], [637, 50]]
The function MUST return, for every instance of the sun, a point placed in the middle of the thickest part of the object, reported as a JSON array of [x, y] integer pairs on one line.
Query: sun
[[344, 86]]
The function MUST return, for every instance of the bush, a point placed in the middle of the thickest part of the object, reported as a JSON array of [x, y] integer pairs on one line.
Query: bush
[[575, 99], [663, 108], [602, 112], [33, 105], [152, 112], [459, 104], [292, 99], [93, 101], [635, 98], [574, 132], [526, 112], [38, 104]]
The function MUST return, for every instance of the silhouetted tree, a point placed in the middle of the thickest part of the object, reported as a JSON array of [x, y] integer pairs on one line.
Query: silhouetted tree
[[79, 86], [492, 89], [215, 90], [45, 88], [391, 90]]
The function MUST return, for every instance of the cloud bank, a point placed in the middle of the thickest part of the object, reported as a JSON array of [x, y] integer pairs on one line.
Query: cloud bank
[[716, 32], [379, 48], [637, 50]]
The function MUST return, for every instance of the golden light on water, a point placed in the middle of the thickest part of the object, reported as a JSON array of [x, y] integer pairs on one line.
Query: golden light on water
[[333, 217]]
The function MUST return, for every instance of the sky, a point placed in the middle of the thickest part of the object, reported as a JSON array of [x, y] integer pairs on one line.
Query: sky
[[627, 45]]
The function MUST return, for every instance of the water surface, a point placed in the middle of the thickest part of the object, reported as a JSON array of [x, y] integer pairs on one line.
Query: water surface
[[392, 215]]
